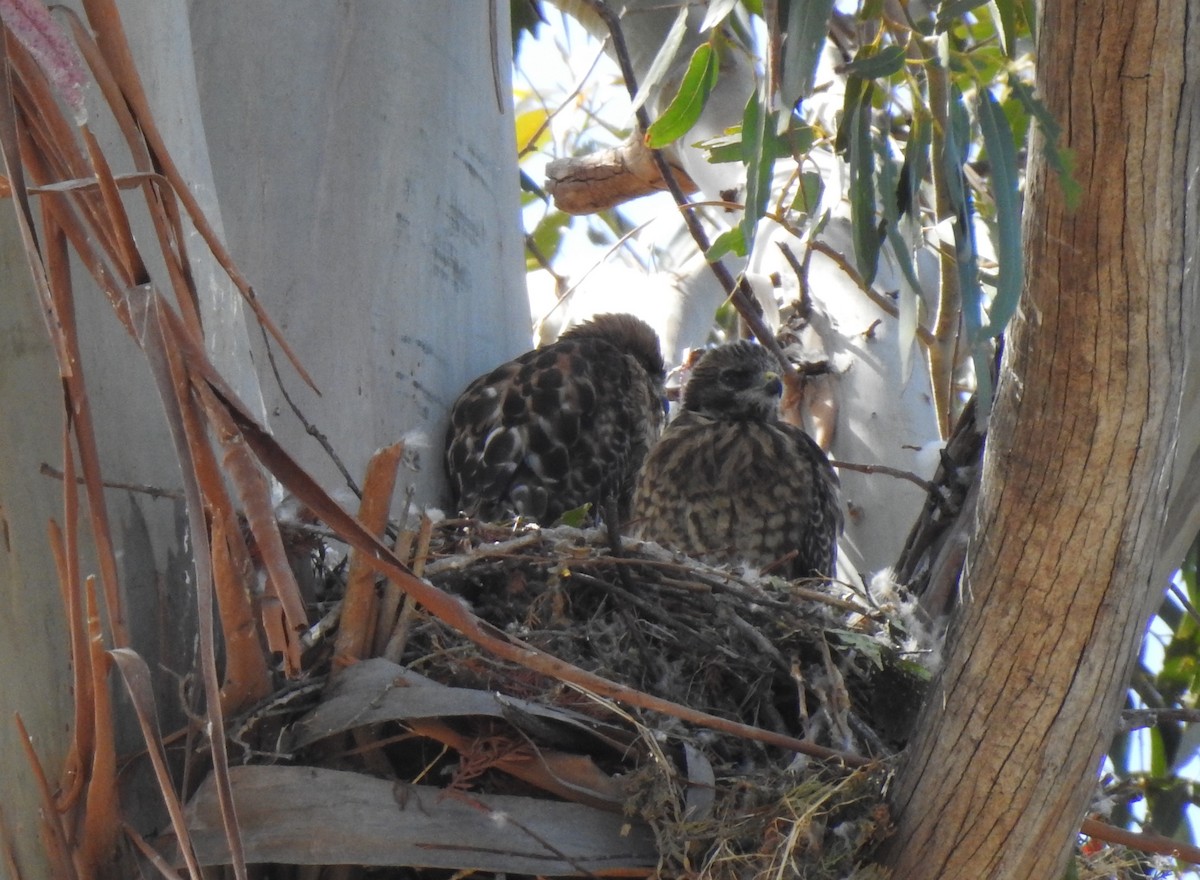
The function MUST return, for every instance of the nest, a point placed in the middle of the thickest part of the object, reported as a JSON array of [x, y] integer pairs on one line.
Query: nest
[[795, 700]]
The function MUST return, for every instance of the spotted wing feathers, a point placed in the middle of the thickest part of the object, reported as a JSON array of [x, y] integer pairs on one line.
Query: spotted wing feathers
[[559, 427]]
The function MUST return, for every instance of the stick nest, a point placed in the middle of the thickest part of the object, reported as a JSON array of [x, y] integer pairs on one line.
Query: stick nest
[[799, 660]]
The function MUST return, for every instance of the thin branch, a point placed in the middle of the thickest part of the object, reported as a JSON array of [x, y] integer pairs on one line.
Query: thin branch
[[1136, 719], [1147, 843], [1183, 600], [312, 430], [153, 491], [923, 334], [886, 471]]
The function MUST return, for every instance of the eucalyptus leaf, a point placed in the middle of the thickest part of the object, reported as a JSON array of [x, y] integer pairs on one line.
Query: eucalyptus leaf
[[808, 193], [952, 10], [730, 241], [1005, 11], [998, 139], [759, 155], [862, 188], [718, 11], [807, 27], [663, 60], [889, 184], [858, 91], [915, 167], [687, 105], [877, 64], [577, 516], [723, 149], [862, 643]]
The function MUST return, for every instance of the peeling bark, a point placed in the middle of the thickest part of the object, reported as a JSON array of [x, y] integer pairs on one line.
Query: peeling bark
[[598, 181], [1063, 571]]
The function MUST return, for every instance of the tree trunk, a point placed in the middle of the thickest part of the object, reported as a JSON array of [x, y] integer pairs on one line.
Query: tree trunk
[[364, 157], [1064, 569]]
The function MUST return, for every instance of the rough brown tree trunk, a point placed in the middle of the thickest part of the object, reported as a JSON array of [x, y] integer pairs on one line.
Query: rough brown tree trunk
[[1059, 582]]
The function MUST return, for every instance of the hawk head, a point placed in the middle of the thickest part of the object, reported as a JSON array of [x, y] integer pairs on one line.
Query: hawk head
[[736, 382], [625, 333]]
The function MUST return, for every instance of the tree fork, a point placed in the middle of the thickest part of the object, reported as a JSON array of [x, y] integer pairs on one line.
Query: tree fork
[[1063, 569]]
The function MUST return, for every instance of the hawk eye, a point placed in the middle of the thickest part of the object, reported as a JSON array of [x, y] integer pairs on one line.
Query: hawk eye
[[738, 377]]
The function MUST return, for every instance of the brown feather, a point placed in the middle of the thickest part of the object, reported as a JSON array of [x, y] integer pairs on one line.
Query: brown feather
[[561, 426], [729, 481]]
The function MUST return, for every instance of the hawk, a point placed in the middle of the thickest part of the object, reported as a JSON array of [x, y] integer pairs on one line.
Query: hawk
[[729, 481], [561, 426]]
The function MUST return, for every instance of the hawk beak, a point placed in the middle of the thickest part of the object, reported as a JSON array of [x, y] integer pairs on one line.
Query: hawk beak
[[772, 384]]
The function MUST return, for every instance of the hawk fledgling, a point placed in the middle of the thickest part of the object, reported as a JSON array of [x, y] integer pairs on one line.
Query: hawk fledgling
[[729, 481], [560, 426]]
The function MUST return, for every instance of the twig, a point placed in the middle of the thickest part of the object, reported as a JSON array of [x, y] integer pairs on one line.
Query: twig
[[804, 300], [483, 551], [316, 633], [738, 291], [152, 491], [567, 101], [927, 339], [309, 427], [1135, 719], [1186, 603], [1147, 843], [886, 471]]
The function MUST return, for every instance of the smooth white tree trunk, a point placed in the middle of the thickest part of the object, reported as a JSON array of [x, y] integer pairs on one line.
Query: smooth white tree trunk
[[365, 162]]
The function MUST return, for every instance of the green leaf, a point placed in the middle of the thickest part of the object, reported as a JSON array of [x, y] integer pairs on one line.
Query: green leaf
[[915, 167], [872, 64], [808, 194], [687, 105], [795, 141], [998, 140], [1007, 14], [758, 127], [548, 237], [730, 241], [663, 60], [725, 148], [1158, 758], [871, 11], [858, 91], [864, 644], [952, 10], [1029, 17], [807, 27], [862, 188], [576, 517], [889, 183]]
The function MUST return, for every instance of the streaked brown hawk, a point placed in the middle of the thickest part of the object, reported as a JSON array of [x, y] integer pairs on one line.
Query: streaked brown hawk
[[561, 426], [730, 482]]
